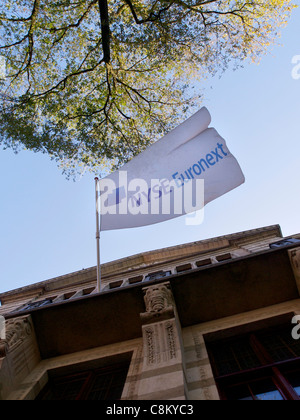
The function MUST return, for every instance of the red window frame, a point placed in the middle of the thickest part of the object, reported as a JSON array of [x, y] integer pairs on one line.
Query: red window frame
[[87, 384], [269, 369]]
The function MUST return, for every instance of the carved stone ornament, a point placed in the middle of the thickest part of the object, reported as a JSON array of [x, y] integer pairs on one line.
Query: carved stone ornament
[[171, 340], [294, 255], [149, 344], [159, 303], [16, 331], [161, 343]]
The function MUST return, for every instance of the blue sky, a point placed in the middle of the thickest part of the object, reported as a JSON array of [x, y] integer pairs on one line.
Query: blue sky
[[47, 223]]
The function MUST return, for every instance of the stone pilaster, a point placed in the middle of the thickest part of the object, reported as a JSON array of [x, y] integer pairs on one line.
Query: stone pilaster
[[162, 377], [19, 354]]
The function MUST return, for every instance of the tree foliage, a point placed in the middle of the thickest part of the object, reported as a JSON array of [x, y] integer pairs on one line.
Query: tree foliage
[[93, 82]]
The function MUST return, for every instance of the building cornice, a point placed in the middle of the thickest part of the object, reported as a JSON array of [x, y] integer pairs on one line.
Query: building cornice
[[138, 261], [204, 294]]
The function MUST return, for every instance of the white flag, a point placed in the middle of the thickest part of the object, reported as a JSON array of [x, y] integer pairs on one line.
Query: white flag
[[177, 175]]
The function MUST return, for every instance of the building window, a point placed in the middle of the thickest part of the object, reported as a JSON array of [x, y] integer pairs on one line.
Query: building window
[[157, 275], [99, 385], [136, 279], [224, 257], [39, 304], [284, 242], [88, 291], [69, 295], [115, 284], [183, 267], [263, 365], [203, 263]]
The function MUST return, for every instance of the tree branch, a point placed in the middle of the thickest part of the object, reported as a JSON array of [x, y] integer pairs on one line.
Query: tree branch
[[29, 35], [65, 80], [65, 29], [104, 17], [153, 17]]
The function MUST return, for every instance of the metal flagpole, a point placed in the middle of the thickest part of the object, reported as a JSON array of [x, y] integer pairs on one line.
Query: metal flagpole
[[98, 235]]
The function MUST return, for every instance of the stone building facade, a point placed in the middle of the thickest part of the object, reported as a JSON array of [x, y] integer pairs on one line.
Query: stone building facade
[[179, 323]]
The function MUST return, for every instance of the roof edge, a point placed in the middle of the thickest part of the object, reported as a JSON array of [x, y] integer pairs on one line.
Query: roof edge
[[148, 257]]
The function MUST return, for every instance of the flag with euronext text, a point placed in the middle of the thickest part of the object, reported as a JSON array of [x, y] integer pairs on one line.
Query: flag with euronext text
[[177, 175]]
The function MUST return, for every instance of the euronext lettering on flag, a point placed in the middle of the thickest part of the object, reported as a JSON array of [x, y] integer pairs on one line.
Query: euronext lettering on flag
[[178, 175]]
